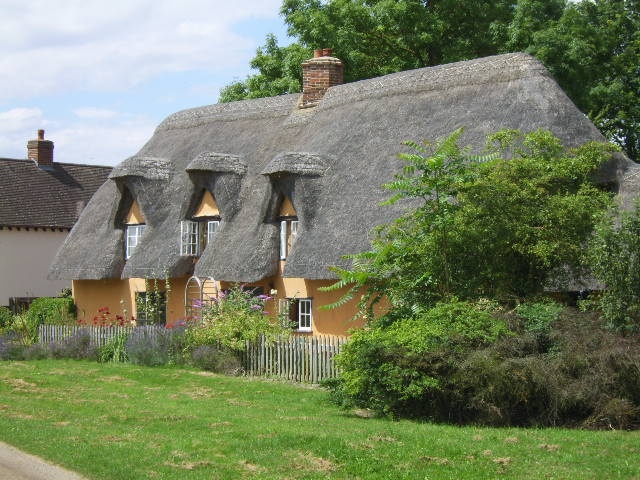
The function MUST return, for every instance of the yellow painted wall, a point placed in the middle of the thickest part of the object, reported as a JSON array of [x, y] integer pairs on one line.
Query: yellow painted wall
[[208, 206], [135, 216], [286, 208], [118, 295]]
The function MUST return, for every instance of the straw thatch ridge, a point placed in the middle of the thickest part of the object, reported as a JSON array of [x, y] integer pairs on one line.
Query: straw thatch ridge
[[217, 162], [330, 161]]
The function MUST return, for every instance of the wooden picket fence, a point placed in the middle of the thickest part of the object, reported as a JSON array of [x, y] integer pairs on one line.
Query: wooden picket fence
[[308, 359], [299, 359]]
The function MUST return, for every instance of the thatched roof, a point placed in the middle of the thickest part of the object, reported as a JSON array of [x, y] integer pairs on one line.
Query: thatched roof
[[51, 196], [330, 161]]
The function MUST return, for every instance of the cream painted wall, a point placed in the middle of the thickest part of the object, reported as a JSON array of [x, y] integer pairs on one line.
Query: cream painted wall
[[25, 257]]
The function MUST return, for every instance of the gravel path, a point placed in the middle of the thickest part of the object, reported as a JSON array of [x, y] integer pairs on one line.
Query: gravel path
[[17, 465]]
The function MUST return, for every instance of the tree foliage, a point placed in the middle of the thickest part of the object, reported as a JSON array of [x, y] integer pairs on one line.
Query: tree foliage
[[614, 257], [591, 47], [500, 226]]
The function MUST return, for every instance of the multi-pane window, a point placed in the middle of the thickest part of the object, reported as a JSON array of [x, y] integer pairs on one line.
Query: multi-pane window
[[298, 310], [196, 235], [134, 232], [189, 244], [209, 231], [288, 235]]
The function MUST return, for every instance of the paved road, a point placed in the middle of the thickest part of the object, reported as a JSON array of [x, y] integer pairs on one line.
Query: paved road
[[17, 465]]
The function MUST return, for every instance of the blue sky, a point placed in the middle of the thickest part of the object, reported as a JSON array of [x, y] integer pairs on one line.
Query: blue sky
[[99, 76]]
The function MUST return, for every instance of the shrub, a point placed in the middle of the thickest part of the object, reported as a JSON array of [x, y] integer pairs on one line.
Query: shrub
[[53, 311], [614, 257], [538, 316], [77, 346], [114, 350], [590, 378], [25, 328], [216, 359], [149, 349], [234, 318], [6, 318], [37, 351], [10, 347], [403, 368]]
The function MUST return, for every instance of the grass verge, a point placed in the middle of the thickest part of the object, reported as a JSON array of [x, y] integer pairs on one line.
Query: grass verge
[[128, 422]]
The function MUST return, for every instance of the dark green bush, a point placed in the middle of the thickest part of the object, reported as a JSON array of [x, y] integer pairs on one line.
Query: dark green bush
[[403, 368], [6, 317], [52, 311], [583, 375]]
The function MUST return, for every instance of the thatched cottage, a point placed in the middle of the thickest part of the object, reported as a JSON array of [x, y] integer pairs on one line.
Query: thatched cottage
[[41, 200], [272, 192]]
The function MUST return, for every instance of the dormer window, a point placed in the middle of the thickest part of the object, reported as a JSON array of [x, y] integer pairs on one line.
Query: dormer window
[[134, 232], [135, 225], [197, 233], [288, 235], [288, 227]]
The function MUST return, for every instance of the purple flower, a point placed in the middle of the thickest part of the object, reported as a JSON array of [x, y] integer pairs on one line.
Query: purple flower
[[256, 307], [264, 297]]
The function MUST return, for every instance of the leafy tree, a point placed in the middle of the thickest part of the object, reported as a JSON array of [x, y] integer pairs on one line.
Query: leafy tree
[[593, 50], [614, 257], [591, 47], [279, 72], [497, 228]]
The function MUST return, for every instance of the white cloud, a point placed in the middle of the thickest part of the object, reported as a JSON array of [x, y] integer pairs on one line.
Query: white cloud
[[102, 143], [98, 137], [94, 113], [17, 126], [64, 45], [18, 119]]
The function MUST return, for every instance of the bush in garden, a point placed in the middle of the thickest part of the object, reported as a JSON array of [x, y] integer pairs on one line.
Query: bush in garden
[[582, 375], [403, 368], [115, 350], [77, 346], [52, 311], [25, 328], [164, 347], [36, 351], [10, 347], [6, 318], [216, 359], [614, 257], [232, 319]]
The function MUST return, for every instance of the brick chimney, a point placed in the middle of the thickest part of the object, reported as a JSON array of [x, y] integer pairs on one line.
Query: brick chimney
[[40, 150], [318, 75]]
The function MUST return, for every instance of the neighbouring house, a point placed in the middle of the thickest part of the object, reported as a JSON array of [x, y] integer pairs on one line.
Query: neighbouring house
[[273, 192], [41, 200]]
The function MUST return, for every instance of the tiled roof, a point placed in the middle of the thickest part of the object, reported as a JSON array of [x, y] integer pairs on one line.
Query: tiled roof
[[32, 196]]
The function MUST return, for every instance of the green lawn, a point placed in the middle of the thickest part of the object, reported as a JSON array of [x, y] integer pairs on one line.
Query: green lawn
[[128, 422]]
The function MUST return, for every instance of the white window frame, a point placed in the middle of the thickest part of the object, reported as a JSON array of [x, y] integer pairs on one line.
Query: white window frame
[[189, 238], [305, 315], [212, 229], [133, 234], [283, 240], [288, 235]]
